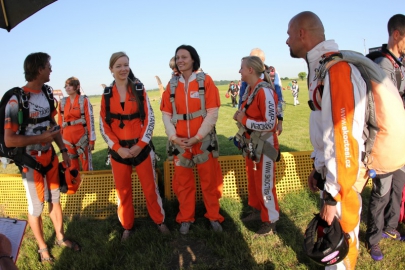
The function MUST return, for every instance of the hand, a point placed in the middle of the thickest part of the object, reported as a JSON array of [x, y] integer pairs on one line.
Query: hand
[[327, 213], [312, 182], [124, 152], [66, 159], [279, 127], [48, 136], [135, 150], [239, 115], [190, 142], [180, 142], [91, 147]]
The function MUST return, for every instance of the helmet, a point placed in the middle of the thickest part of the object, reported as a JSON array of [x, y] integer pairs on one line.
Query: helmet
[[324, 244], [69, 179]]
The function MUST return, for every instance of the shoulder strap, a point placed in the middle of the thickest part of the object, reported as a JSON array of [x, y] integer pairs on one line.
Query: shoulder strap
[[201, 91], [137, 90], [262, 84], [107, 96], [397, 68], [200, 77], [174, 81]]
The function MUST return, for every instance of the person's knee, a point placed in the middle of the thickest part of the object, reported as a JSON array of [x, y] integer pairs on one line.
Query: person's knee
[[35, 209]]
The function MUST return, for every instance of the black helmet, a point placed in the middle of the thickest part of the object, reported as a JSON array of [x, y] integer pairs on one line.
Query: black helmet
[[324, 244]]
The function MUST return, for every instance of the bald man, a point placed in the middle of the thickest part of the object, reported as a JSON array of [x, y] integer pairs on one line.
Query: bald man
[[328, 133]]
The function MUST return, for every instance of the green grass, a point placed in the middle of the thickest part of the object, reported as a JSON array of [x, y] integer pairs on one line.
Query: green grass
[[235, 248]]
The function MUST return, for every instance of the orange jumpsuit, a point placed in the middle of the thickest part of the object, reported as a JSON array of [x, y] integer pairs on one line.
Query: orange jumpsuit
[[73, 133], [183, 180], [261, 115], [133, 129]]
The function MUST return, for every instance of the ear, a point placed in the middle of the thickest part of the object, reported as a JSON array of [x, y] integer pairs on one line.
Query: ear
[[396, 35]]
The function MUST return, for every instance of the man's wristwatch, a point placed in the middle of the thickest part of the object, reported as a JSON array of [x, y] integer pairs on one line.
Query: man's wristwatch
[[328, 199], [63, 150]]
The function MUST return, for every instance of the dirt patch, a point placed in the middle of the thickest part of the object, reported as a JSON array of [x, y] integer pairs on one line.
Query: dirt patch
[[190, 252]]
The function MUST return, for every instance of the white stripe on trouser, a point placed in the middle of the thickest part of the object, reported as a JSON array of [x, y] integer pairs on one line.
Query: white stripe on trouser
[[268, 178], [353, 234]]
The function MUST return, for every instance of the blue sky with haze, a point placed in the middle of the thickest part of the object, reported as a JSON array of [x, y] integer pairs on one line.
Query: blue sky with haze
[[81, 35]]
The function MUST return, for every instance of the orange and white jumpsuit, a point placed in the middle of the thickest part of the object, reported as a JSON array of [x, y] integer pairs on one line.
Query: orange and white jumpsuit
[[261, 116], [133, 129], [336, 130], [183, 183], [38, 188], [73, 133]]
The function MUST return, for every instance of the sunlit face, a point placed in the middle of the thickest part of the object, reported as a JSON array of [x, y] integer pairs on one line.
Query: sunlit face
[[293, 40], [45, 73], [244, 71], [70, 89], [184, 61], [120, 68], [401, 45]]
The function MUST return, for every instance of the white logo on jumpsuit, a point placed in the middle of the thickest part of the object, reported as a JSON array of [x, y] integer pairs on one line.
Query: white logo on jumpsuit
[[194, 94]]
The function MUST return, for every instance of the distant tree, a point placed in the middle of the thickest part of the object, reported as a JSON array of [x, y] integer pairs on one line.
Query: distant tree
[[285, 78], [302, 75]]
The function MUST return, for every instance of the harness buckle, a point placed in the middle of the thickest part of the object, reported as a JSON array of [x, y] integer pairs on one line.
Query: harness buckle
[[311, 105]]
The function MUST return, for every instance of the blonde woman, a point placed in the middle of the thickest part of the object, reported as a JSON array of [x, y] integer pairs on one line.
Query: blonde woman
[[126, 124], [257, 120]]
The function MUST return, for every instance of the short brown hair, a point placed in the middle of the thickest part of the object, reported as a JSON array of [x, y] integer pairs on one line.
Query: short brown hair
[[33, 63], [73, 81]]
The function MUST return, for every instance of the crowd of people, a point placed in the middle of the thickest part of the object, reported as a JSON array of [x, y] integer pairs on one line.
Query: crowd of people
[[190, 107]]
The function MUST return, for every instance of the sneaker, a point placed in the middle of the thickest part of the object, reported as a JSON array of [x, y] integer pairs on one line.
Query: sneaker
[[267, 228], [185, 227], [163, 228], [216, 226], [375, 252], [391, 233], [255, 215], [125, 235]]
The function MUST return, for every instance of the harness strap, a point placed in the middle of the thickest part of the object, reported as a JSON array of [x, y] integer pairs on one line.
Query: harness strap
[[123, 117], [21, 158], [200, 77]]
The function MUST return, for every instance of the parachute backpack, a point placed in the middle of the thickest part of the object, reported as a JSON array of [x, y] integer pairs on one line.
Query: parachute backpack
[[18, 155], [326, 245], [384, 131]]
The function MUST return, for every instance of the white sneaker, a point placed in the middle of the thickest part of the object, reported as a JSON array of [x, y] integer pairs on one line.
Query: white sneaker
[[216, 226], [185, 227]]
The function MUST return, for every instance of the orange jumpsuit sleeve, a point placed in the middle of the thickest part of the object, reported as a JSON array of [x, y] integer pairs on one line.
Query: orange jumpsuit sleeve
[[265, 104], [148, 124], [89, 117], [60, 122]]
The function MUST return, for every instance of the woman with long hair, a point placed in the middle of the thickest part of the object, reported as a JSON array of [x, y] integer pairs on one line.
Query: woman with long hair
[[126, 124]]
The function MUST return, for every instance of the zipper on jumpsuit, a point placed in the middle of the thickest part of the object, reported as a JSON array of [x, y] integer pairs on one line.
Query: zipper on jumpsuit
[[186, 93]]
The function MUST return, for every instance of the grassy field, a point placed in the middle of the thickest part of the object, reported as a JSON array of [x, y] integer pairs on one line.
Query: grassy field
[[235, 248]]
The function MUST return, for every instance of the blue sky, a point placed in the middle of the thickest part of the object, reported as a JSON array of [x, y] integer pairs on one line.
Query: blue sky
[[81, 35]]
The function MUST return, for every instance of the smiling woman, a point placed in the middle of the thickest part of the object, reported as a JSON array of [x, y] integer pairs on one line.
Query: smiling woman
[[127, 122], [190, 112]]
